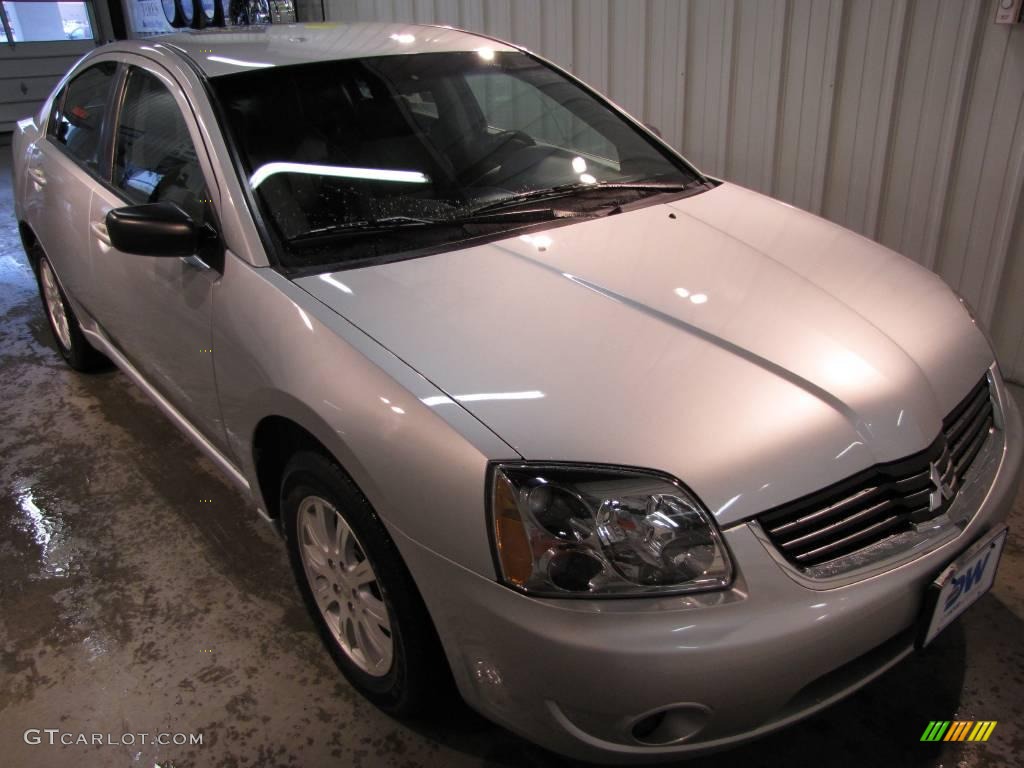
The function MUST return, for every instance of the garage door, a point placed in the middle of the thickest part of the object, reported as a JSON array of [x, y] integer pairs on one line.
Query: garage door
[[39, 41]]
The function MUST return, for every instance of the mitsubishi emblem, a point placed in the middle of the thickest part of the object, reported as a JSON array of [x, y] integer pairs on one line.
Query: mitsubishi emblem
[[944, 490]]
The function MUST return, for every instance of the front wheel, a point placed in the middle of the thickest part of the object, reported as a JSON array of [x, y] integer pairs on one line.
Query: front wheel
[[365, 604], [71, 342]]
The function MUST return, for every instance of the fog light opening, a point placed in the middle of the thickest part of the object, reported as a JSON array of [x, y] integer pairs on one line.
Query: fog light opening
[[670, 725]]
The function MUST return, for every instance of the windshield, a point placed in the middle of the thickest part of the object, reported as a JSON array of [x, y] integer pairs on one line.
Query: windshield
[[358, 158]]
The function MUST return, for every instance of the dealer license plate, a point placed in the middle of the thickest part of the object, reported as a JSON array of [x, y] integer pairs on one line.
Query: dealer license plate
[[959, 586]]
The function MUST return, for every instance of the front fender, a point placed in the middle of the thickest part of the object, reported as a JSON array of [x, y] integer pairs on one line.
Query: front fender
[[419, 461]]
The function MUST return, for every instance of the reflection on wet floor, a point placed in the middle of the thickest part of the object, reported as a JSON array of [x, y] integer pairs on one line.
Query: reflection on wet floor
[[126, 605], [48, 532]]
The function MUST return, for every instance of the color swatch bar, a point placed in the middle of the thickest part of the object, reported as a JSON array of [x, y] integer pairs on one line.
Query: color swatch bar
[[958, 730]]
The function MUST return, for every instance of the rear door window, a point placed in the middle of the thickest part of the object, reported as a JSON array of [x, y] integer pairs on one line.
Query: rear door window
[[77, 123]]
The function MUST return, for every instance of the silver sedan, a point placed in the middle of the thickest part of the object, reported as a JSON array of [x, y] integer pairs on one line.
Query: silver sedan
[[641, 462]]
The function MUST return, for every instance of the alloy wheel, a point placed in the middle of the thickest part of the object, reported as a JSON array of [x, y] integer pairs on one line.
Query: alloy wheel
[[55, 304], [345, 586]]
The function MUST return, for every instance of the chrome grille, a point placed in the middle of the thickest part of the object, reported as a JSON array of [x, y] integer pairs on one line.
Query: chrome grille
[[886, 499], [966, 428]]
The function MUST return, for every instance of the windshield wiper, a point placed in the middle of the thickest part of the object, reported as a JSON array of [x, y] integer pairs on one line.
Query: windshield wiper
[[483, 216], [383, 223], [413, 223], [563, 190]]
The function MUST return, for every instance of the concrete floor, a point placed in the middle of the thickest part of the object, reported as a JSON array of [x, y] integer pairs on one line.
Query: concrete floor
[[127, 604]]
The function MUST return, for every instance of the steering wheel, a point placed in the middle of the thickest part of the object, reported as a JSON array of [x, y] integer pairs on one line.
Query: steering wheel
[[518, 136], [502, 146], [533, 165]]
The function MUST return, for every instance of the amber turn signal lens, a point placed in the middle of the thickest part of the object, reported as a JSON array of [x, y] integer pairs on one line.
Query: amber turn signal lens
[[510, 534]]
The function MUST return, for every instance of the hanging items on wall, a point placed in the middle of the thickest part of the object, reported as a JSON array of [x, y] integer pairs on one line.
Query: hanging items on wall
[[282, 11], [250, 12], [177, 13], [262, 12], [157, 17], [208, 13], [197, 14]]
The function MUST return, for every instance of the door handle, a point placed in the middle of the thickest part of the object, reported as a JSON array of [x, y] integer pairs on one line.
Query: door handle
[[99, 229], [37, 176]]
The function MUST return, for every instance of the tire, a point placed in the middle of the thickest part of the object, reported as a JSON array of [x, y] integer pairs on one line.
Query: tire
[[67, 333], [402, 683]]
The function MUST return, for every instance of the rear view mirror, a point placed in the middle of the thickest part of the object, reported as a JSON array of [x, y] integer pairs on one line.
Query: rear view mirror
[[154, 229]]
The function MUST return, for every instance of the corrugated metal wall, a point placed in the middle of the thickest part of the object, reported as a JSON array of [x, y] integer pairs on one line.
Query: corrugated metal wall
[[901, 119]]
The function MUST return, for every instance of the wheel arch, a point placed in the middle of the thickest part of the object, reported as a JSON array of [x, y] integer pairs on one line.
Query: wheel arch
[[276, 438], [286, 426], [30, 243]]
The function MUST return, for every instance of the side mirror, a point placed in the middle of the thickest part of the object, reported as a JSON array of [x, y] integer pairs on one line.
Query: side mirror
[[154, 229]]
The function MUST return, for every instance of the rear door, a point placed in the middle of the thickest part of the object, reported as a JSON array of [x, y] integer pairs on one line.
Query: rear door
[[157, 310], [65, 166]]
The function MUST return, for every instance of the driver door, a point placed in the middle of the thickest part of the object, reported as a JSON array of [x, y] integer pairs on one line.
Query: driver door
[[157, 310]]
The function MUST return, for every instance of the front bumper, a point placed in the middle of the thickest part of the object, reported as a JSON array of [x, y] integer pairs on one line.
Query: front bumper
[[576, 676]]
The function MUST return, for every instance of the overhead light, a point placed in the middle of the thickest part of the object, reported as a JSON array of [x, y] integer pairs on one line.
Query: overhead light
[[264, 172], [540, 242], [487, 54], [405, 37], [436, 400], [531, 394], [336, 283], [239, 62]]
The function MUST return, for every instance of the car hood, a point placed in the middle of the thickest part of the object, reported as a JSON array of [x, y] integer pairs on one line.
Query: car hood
[[756, 352]]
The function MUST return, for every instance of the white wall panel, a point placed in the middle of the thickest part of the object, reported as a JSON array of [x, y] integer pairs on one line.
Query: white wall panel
[[590, 42], [498, 18], [809, 83], [667, 22], [627, 57], [757, 70], [864, 110], [901, 119], [557, 32]]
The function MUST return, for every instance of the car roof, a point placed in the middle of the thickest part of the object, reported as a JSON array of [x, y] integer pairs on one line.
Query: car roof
[[228, 50]]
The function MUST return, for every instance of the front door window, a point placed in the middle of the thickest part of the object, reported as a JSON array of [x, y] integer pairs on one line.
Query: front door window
[[154, 157]]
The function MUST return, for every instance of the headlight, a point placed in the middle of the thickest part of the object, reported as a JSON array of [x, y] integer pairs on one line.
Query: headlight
[[602, 531]]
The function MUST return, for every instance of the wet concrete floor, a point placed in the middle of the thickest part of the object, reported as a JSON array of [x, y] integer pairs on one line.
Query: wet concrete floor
[[140, 594]]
